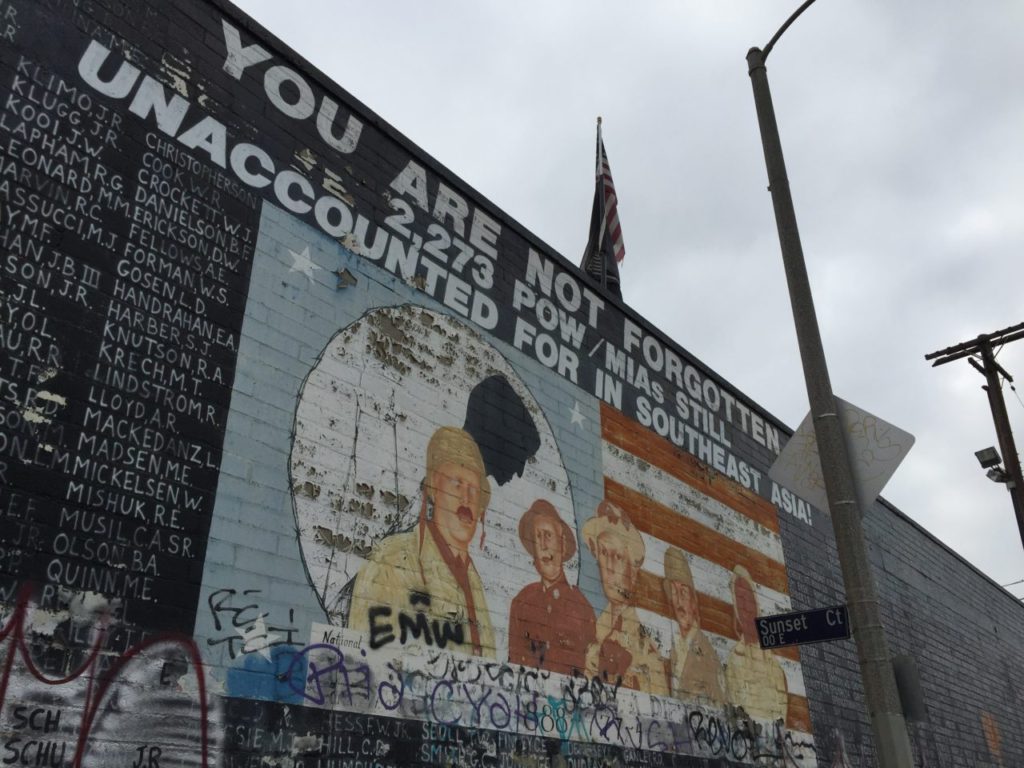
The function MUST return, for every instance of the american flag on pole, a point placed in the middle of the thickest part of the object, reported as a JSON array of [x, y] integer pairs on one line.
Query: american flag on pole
[[604, 247]]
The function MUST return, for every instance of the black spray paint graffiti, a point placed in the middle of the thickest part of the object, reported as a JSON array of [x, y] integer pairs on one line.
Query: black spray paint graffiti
[[415, 626], [739, 738], [245, 626]]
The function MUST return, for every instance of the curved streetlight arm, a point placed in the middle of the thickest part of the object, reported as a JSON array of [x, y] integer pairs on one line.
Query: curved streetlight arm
[[796, 14]]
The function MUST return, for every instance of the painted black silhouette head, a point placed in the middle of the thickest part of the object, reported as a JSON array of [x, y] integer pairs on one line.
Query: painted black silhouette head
[[502, 427]]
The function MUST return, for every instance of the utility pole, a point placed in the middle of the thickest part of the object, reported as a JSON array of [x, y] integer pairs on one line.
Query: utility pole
[[991, 370], [892, 742]]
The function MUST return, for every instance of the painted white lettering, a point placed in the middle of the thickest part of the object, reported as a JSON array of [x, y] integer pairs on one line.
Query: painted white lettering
[[240, 57], [89, 68]]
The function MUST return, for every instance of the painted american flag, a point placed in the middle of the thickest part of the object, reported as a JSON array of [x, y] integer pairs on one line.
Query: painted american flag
[[675, 500]]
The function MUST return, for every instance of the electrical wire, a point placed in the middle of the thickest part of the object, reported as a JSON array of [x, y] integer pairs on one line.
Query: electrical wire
[[1013, 387]]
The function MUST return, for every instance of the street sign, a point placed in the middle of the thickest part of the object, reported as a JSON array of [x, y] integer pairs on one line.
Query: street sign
[[876, 449], [803, 627]]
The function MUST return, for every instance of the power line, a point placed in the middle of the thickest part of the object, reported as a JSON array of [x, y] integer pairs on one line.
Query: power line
[[1017, 395]]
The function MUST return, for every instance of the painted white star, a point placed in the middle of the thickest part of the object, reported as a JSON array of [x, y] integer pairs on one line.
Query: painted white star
[[578, 419], [256, 638], [302, 263]]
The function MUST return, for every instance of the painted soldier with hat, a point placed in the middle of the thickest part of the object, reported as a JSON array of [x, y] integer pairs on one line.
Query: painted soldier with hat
[[428, 570], [754, 679], [695, 672], [551, 623], [623, 648]]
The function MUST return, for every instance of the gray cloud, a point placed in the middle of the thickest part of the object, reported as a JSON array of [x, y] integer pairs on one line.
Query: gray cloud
[[901, 124]]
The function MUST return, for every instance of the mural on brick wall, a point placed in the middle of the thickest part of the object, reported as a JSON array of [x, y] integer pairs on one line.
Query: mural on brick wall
[[394, 505], [471, 548], [311, 458], [299, 443], [442, 526]]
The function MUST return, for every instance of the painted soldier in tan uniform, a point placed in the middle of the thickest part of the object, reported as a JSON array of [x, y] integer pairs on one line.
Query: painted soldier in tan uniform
[[623, 649], [428, 570], [695, 673], [754, 679], [551, 623]]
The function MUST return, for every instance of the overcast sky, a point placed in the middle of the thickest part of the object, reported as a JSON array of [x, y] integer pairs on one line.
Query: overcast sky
[[903, 128]]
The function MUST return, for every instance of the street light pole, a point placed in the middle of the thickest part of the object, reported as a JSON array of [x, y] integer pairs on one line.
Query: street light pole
[[1002, 421], [892, 742]]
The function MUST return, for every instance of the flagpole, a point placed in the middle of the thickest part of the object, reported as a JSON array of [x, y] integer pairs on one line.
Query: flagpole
[[602, 267], [597, 180]]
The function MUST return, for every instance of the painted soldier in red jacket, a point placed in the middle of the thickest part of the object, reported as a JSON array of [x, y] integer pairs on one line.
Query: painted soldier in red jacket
[[551, 623]]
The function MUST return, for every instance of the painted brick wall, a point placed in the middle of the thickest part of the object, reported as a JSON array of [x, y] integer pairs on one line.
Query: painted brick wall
[[311, 458]]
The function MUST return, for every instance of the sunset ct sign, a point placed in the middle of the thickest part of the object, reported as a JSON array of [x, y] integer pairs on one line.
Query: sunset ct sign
[[803, 627]]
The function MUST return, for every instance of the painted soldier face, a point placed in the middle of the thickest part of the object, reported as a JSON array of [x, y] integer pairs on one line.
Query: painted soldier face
[[683, 601], [547, 549], [456, 494], [746, 610], [618, 574]]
